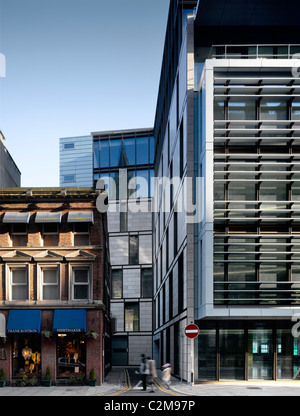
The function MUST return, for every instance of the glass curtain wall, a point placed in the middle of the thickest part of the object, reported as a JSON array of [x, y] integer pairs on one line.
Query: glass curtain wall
[[134, 153], [247, 350]]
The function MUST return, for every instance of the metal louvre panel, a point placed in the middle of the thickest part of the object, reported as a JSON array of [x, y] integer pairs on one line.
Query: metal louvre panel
[[47, 216], [16, 217], [81, 216], [256, 188]]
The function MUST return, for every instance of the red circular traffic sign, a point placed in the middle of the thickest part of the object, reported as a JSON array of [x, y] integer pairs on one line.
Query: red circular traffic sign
[[191, 331]]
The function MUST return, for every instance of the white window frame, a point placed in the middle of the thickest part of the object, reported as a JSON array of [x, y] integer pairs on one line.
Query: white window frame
[[72, 284], [10, 267], [40, 275], [49, 233], [80, 233], [11, 234]]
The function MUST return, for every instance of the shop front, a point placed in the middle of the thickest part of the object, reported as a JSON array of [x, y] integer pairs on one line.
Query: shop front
[[24, 328], [246, 350], [29, 346], [70, 328]]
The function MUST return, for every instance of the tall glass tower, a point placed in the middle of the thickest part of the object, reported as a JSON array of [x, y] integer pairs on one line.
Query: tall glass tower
[[124, 159]]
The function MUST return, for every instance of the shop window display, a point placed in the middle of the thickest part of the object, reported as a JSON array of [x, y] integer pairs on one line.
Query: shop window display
[[71, 353], [26, 355]]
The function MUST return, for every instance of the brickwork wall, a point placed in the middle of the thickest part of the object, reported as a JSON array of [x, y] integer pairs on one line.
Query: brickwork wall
[[94, 347], [95, 314]]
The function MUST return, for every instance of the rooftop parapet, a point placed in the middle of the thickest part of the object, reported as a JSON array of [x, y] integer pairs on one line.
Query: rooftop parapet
[[255, 51]]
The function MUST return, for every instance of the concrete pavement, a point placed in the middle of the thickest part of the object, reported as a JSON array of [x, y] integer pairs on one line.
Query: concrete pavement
[[242, 388], [116, 384]]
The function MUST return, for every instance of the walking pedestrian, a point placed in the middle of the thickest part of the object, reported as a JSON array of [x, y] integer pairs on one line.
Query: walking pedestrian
[[152, 373], [143, 371], [166, 374]]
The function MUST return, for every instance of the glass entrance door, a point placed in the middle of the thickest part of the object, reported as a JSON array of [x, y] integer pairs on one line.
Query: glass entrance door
[[260, 354], [206, 348], [232, 354], [288, 355]]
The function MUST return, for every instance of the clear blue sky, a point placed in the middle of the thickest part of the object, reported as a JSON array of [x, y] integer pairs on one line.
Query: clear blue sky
[[74, 67]]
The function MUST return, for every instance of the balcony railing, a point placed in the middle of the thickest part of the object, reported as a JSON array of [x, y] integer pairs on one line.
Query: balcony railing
[[250, 51]]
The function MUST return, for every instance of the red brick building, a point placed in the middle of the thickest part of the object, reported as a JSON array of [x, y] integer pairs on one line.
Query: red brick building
[[54, 284]]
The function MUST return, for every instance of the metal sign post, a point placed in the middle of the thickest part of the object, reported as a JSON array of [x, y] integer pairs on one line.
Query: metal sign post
[[192, 331]]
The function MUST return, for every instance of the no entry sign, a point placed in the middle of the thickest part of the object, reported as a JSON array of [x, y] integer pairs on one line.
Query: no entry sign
[[191, 331]]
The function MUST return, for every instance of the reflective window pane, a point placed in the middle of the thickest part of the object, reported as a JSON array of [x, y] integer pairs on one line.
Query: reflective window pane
[[131, 317], [295, 111], [260, 354], [26, 345], [131, 188], [50, 276], [104, 153], [81, 284], [116, 153], [241, 192], [232, 354], [241, 110], [129, 152], [81, 276], [50, 293], [151, 150], [146, 283], [71, 353], [151, 179], [142, 178], [142, 151], [19, 284], [96, 154], [273, 191], [273, 110], [133, 249], [116, 283], [113, 188], [288, 355], [123, 221], [219, 113], [219, 191], [80, 292], [207, 357]]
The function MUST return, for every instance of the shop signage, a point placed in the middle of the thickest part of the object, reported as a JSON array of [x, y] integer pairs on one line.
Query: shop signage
[[22, 331], [69, 330]]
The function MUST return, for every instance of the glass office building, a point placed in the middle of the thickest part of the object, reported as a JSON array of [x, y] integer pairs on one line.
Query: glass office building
[[76, 161], [124, 159], [229, 114], [117, 156], [251, 149], [132, 151]]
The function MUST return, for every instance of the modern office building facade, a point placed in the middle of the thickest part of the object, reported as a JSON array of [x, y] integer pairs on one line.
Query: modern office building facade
[[124, 160], [76, 161], [173, 235], [10, 175], [228, 112]]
